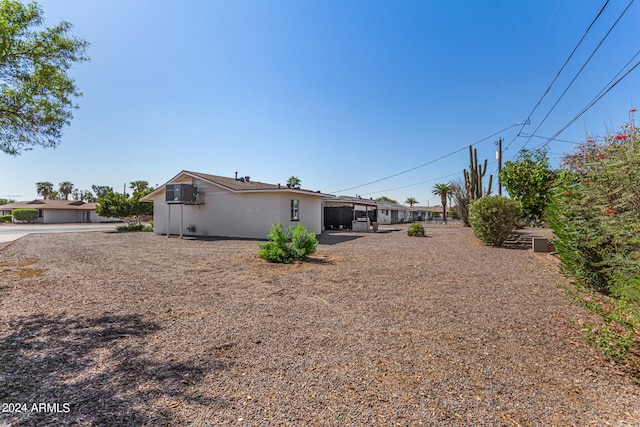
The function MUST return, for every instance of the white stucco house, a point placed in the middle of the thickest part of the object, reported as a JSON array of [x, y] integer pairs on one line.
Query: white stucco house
[[391, 213], [198, 204], [58, 211]]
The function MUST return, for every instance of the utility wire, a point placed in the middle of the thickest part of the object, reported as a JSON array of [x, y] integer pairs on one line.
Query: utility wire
[[559, 72], [411, 185], [592, 103], [427, 163], [580, 70]]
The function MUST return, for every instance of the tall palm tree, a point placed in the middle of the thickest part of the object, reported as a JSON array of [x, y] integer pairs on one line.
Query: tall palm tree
[[138, 186], [411, 201], [293, 182], [65, 189], [443, 190], [44, 188]]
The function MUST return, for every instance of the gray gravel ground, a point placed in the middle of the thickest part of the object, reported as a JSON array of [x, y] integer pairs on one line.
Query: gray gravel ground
[[376, 329]]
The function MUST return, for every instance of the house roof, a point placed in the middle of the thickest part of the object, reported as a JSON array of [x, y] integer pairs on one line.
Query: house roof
[[392, 206], [346, 201], [233, 185], [50, 204]]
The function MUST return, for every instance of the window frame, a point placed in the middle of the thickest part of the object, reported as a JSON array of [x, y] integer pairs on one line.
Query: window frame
[[295, 210]]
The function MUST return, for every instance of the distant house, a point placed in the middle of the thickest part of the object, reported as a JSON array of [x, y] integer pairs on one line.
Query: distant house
[[392, 213], [194, 203], [427, 213], [58, 211]]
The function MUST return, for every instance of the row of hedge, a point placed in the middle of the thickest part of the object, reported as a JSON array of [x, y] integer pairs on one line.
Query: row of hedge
[[21, 215]]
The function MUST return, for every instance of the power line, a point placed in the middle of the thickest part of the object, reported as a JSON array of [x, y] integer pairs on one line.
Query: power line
[[580, 70], [559, 72], [427, 163], [410, 185], [592, 103], [524, 135]]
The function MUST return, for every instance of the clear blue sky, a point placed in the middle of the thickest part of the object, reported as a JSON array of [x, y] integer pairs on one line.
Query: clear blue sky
[[337, 93]]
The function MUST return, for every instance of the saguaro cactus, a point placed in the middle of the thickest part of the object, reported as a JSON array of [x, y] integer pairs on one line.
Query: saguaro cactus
[[473, 177]]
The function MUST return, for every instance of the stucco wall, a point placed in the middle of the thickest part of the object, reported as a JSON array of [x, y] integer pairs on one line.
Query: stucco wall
[[58, 216], [228, 214]]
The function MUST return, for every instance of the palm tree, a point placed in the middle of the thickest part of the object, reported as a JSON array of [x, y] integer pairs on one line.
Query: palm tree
[[44, 188], [443, 190], [293, 182], [138, 186], [411, 201], [65, 189]]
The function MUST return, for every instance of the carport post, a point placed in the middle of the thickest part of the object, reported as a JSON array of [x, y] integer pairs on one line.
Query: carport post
[[168, 218], [181, 224]]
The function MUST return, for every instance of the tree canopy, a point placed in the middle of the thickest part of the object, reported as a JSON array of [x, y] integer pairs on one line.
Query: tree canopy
[[386, 199], [294, 182], [36, 93], [528, 179]]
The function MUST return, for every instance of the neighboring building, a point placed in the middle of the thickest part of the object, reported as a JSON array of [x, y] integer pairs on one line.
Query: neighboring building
[[428, 213], [58, 211], [231, 207], [391, 213]]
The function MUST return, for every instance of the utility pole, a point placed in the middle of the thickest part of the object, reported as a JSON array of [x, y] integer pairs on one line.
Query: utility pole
[[499, 159]]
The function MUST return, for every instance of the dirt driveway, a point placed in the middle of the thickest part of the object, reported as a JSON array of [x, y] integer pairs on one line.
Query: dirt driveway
[[377, 329]]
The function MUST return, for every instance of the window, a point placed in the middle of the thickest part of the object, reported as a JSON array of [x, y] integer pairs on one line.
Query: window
[[295, 212]]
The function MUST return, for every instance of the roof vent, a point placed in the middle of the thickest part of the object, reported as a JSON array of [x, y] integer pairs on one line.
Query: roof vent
[[246, 178], [241, 179]]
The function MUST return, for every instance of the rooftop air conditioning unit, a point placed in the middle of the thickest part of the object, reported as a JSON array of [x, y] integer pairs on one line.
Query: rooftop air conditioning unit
[[181, 193]]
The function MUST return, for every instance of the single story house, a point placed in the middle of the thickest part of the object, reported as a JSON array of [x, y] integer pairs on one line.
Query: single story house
[[391, 213], [428, 213], [352, 213], [198, 204], [58, 211]]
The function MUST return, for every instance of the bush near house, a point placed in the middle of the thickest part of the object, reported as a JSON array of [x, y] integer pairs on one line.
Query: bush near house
[[25, 214], [286, 246], [416, 229], [493, 218], [5, 218]]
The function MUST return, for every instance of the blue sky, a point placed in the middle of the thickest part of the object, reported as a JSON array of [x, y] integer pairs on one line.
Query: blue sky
[[337, 93]]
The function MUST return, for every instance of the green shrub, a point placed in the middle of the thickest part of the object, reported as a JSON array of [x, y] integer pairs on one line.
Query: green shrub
[[286, 246], [131, 227], [25, 214], [493, 218], [5, 218], [416, 229], [595, 217]]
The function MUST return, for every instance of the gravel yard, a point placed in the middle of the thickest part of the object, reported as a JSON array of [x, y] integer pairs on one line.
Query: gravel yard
[[376, 329]]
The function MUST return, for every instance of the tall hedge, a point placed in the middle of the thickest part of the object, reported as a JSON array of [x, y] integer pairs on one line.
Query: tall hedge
[[25, 214], [595, 217]]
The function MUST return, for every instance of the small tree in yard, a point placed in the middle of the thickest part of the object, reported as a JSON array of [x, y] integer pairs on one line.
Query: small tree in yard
[[121, 206], [528, 179], [286, 246], [493, 218]]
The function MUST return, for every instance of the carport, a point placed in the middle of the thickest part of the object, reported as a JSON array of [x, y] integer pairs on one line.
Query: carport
[[350, 213]]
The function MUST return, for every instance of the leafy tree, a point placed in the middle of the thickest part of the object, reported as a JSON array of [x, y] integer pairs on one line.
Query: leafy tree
[[44, 189], [83, 195], [6, 201], [294, 182], [411, 201], [36, 94], [124, 207], [65, 188], [386, 199], [54, 195], [101, 190], [528, 179], [443, 190]]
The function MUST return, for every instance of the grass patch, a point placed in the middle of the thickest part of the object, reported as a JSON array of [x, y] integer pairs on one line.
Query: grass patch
[[28, 261]]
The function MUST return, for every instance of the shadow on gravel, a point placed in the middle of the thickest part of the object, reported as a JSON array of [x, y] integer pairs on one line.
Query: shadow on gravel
[[336, 238], [91, 372]]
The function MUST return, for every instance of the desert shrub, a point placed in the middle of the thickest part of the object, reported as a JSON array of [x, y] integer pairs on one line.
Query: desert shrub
[[595, 216], [131, 227], [5, 218], [493, 218], [286, 246], [25, 214], [416, 229]]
